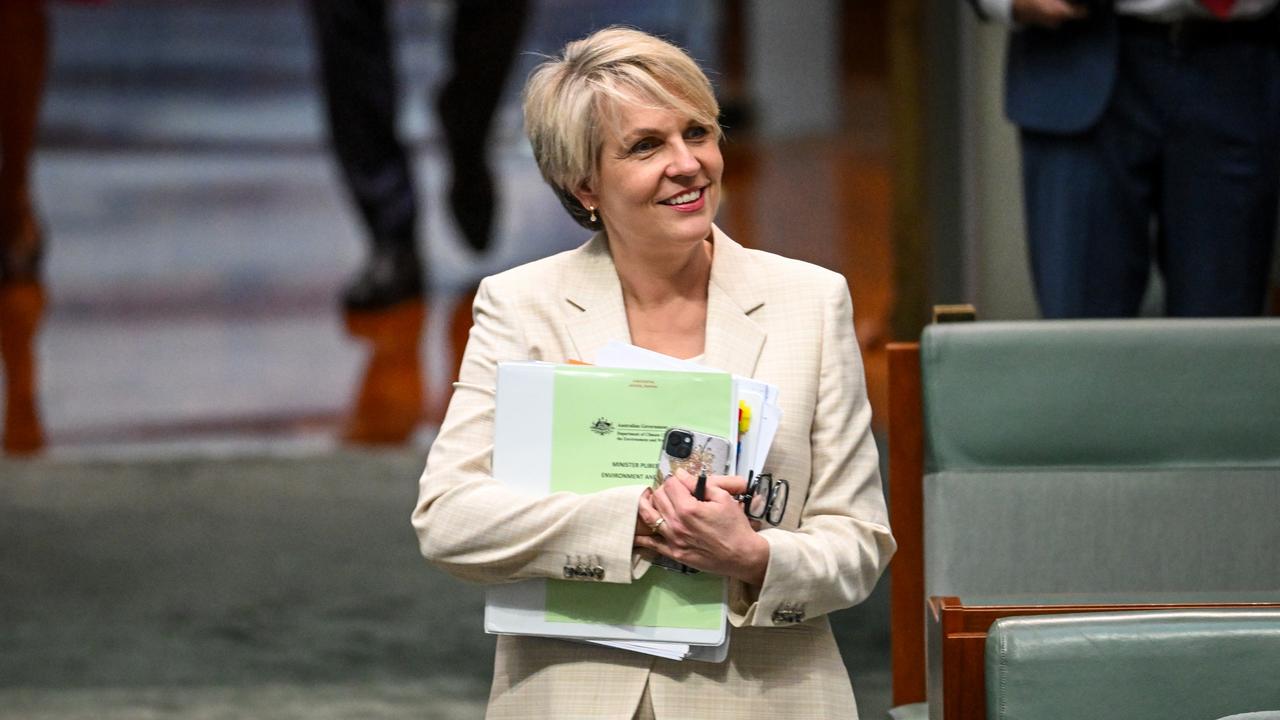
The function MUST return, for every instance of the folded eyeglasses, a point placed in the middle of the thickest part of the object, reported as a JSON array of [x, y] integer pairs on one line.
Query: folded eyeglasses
[[765, 498]]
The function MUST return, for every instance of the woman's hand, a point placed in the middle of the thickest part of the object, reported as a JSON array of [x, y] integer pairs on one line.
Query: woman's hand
[[1047, 13], [713, 534]]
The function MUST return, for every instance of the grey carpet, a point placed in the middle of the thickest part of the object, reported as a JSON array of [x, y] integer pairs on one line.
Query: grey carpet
[[253, 588]]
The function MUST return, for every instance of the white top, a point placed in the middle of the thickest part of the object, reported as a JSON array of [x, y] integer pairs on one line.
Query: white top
[[1155, 10]]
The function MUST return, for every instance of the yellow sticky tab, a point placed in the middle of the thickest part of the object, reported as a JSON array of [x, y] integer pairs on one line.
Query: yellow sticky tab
[[744, 416]]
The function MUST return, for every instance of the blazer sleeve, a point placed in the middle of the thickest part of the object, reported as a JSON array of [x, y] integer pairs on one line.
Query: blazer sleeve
[[842, 544], [475, 528]]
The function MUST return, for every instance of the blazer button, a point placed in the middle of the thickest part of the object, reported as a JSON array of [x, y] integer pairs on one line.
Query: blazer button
[[788, 613]]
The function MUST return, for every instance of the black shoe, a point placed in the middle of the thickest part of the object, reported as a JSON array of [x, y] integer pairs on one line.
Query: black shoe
[[391, 275]]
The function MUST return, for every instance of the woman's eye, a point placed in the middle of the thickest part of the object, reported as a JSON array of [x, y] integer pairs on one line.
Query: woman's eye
[[697, 132], [644, 146]]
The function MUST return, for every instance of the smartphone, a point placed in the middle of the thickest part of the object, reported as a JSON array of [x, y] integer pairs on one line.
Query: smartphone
[[698, 454]]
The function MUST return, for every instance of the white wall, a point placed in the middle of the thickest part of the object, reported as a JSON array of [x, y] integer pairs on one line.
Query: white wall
[[793, 65], [996, 272]]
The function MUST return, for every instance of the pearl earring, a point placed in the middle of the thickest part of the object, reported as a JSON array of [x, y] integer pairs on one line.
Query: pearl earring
[[593, 213]]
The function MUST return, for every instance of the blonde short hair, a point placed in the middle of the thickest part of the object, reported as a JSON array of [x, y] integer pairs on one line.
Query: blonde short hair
[[569, 99]]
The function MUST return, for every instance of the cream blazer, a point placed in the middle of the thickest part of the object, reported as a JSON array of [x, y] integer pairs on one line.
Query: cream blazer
[[768, 317]]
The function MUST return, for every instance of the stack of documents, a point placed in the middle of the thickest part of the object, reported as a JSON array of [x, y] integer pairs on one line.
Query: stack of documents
[[575, 428]]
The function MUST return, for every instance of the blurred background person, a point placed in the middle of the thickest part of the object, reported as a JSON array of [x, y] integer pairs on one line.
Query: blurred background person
[[361, 100], [23, 62], [1149, 129]]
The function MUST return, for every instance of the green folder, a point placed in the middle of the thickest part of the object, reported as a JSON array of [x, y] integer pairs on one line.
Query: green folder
[[582, 429], [606, 430]]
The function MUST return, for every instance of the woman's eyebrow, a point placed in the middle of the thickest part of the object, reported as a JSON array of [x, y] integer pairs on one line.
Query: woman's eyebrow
[[639, 133]]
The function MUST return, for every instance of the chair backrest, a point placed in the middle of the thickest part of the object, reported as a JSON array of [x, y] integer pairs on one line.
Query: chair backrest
[[1108, 456], [1122, 456], [1133, 665]]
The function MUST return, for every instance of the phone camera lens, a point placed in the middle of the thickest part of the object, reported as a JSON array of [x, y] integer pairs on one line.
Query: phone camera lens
[[679, 444]]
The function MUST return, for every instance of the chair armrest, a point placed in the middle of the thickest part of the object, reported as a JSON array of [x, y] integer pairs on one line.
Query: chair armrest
[[1149, 665]]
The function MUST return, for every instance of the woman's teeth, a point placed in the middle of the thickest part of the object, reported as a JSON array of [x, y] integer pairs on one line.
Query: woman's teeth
[[682, 199]]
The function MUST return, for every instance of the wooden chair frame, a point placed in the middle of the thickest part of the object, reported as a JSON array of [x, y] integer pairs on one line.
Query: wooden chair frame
[[906, 516]]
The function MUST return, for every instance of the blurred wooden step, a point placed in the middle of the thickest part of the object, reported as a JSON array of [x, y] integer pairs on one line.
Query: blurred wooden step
[[21, 308], [392, 395]]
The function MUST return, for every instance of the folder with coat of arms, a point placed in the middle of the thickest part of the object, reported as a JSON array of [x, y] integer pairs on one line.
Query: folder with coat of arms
[[582, 429]]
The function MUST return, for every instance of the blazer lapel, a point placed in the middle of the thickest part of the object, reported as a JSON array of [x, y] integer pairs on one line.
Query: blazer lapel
[[591, 286], [734, 339]]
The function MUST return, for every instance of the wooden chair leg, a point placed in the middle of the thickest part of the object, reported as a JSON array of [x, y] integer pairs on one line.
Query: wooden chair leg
[[391, 398], [21, 308]]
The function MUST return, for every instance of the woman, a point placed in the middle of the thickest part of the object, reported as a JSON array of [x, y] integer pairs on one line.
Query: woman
[[623, 127]]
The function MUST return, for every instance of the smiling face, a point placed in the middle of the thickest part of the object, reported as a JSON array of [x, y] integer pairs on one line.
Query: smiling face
[[658, 180]]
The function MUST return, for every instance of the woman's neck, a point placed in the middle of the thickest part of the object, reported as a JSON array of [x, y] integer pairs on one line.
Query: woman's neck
[[665, 296], [656, 279]]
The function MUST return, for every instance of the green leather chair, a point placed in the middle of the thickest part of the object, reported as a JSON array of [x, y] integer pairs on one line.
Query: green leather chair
[[1161, 665], [1124, 456], [1101, 456]]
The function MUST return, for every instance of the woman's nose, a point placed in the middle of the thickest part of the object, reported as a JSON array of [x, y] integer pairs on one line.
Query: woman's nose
[[683, 161]]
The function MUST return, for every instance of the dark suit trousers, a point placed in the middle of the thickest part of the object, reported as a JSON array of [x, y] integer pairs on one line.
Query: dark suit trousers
[[360, 89], [1181, 168]]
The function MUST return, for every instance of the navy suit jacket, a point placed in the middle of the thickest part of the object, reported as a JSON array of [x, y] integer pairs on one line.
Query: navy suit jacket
[[1060, 81]]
